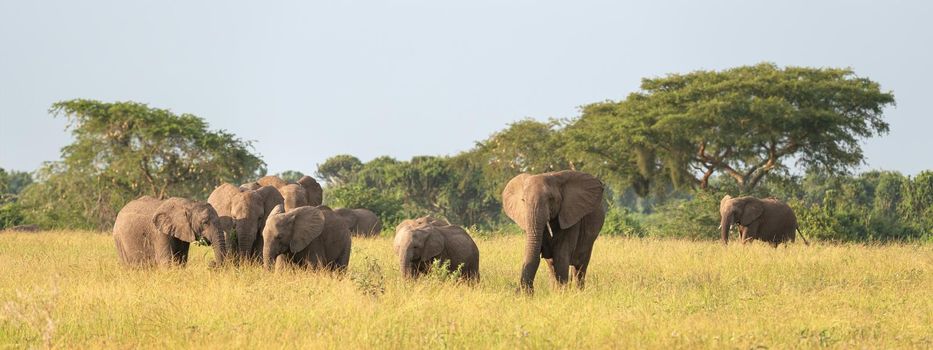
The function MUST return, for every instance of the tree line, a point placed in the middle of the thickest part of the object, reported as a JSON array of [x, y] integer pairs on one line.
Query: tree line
[[665, 152]]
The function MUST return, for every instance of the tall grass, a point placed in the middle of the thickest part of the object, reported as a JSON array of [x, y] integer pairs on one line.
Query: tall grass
[[65, 289]]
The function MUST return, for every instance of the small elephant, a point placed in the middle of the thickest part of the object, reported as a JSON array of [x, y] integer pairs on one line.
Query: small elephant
[[561, 213], [313, 192], [768, 220], [420, 242], [149, 231], [362, 222], [306, 236], [247, 211]]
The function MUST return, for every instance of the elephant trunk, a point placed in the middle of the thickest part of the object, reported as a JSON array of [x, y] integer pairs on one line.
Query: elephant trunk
[[406, 266], [268, 256], [725, 224], [219, 244], [244, 231], [534, 229]]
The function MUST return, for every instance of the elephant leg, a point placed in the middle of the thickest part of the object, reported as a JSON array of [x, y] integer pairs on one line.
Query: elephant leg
[[752, 231], [579, 273], [565, 242], [180, 252]]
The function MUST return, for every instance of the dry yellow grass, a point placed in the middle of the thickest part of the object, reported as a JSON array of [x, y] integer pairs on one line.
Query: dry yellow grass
[[65, 289]]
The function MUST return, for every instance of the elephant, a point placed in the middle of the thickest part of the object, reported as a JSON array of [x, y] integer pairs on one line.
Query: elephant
[[294, 196], [312, 190], [362, 222], [768, 220], [150, 231], [420, 242], [247, 211], [307, 236], [561, 213]]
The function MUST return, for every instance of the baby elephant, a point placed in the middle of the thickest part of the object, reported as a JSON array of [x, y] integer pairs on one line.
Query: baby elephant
[[308, 236], [150, 231], [422, 241]]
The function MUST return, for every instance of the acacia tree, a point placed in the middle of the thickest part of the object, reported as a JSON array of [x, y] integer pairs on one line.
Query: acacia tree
[[745, 122], [123, 150], [339, 169]]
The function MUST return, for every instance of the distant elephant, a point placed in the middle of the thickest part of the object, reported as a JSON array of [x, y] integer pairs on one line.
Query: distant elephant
[[294, 196], [306, 236], [247, 211], [420, 242], [312, 190], [149, 231], [362, 222], [768, 220], [561, 213]]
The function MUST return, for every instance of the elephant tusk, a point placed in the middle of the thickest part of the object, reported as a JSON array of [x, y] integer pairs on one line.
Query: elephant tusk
[[549, 229], [720, 227]]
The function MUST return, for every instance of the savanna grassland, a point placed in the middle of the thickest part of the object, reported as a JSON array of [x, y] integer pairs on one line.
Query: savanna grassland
[[66, 290]]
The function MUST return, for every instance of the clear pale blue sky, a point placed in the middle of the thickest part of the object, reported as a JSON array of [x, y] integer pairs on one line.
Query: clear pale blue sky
[[403, 78]]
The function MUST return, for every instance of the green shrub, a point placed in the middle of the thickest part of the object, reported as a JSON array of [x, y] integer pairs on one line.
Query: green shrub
[[693, 218], [621, 222]]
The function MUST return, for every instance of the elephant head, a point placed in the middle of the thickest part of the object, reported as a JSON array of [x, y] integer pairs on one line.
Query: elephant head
[[417, 243], [741, 210], [294, 196], [290, 231], [245, 212], [312, 189], [536, 202], [189, 221]]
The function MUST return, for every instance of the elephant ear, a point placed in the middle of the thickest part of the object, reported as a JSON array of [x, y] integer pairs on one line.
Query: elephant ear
[[512, 200], [753, 209], [226, 223], [433, 243], [312, 189], [173, 218], [221, 196], [581, 194], [270, 197], [307, 224]]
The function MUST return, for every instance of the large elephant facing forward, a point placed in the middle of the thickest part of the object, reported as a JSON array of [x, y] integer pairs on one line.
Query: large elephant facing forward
[[768, 220], [561, 213], [247, 211], [149, 231], [362, 222]]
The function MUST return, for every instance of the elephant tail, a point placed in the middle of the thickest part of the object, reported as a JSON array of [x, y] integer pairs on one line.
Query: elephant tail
[[802, 236]]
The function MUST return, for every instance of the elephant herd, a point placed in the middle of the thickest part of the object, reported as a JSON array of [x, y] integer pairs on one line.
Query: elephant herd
[[272, 220]]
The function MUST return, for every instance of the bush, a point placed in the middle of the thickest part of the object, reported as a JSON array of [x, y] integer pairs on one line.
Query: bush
[[621, 222], [11, 214], [693, 218]]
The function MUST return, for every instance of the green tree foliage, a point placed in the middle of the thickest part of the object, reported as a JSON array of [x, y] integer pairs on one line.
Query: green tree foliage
[[11, 184], [745, 122], [449, 187], [339, 169], [290, 175], [124, 150]]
